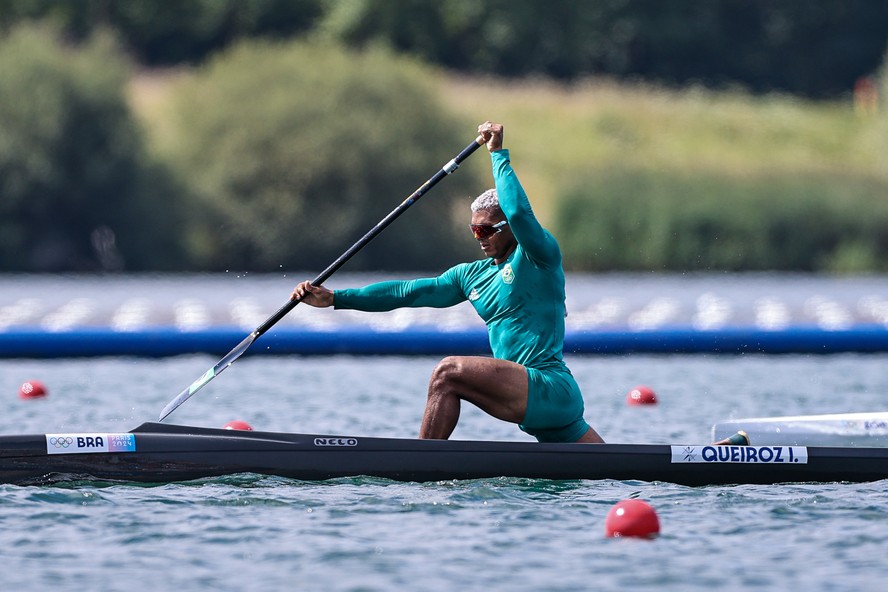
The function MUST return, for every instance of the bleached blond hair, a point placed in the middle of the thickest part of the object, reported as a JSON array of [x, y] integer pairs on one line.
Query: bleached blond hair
[[487, 201]]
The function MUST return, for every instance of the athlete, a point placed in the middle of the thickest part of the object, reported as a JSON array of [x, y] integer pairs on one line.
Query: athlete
[[518, 289]]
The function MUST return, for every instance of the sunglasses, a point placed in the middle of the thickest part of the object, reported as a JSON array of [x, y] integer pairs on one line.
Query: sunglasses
[[487, 230]]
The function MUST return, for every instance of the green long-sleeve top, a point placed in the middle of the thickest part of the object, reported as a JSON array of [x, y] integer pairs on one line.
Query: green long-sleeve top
[[521, 300]]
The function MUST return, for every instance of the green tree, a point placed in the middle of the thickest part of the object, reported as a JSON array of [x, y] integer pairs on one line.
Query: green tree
[[295, 150], [168, 32], [72, 165], [816, 49]]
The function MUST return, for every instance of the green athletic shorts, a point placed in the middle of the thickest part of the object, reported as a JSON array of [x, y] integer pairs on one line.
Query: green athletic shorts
[[554, 407]]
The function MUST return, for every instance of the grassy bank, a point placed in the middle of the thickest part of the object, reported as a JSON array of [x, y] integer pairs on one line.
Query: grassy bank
[[559, 132]]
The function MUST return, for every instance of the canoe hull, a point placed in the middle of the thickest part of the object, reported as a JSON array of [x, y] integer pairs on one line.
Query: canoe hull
[[161, 453]]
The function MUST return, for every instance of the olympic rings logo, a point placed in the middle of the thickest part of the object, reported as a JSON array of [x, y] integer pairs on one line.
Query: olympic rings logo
[[62, 442]]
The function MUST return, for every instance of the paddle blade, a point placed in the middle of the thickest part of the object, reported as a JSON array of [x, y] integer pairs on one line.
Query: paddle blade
[[209, 375]]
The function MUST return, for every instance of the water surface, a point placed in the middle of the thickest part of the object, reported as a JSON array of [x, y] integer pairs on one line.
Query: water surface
[[249, 532]]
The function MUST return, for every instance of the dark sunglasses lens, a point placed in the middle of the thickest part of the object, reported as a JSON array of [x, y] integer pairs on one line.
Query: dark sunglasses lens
[[482, 230]]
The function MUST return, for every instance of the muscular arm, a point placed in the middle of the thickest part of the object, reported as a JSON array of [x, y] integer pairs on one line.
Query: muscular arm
[[536, 241], [437, 292]]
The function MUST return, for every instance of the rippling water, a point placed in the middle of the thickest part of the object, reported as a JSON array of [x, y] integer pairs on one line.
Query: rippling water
[[249, 532]]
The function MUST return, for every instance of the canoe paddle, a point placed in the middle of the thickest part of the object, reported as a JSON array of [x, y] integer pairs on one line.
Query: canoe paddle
[[242, 347]]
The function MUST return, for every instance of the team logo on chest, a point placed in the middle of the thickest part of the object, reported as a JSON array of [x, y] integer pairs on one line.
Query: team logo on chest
[[507, 274], [473, 295]]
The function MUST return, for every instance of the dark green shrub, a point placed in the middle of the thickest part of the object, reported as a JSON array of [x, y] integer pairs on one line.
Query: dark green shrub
[[72, 165], [643, 220], [169, 32], [296, 150]]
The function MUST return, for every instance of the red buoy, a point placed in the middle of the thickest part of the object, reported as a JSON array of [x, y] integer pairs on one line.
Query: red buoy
[[632, 518], [32, 389], [641, 395], [238, 424]]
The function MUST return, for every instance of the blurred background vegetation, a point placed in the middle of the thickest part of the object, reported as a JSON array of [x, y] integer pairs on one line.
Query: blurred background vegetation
[[191, 135]]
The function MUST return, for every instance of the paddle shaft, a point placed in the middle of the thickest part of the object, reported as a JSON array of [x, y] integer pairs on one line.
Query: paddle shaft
[[449, 168], [242, 347]]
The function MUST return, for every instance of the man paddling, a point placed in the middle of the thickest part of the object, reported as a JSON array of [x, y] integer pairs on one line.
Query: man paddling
[[519, 292]]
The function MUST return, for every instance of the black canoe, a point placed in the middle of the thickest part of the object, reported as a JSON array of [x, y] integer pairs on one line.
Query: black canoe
[[162, 453]]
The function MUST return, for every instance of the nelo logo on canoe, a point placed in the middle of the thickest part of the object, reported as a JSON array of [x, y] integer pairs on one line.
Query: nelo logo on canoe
[[336, 441]]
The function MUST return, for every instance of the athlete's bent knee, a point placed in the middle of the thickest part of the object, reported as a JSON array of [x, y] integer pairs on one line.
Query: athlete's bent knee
[[446, 372]]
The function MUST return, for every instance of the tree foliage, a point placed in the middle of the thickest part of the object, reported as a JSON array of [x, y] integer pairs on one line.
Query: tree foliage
[[170, 32], [72, 163], [814, 49], [641, 220], [297, 149], [288, 151]]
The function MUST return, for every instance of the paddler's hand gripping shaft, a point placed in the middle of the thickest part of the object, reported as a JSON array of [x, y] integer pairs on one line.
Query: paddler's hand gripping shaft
[[242, 347]]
